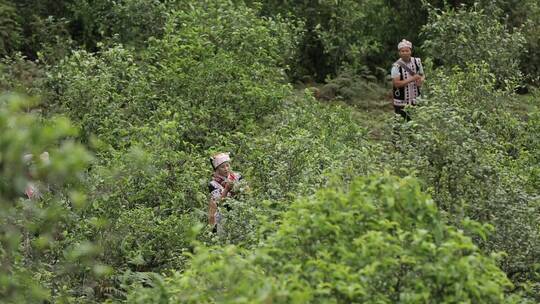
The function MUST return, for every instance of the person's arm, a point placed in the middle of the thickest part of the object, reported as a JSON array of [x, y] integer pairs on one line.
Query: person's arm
[[215, 196], [212, 209], [401, 83]]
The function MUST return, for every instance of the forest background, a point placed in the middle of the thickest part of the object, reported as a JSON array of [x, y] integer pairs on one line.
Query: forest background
[[346, 203]]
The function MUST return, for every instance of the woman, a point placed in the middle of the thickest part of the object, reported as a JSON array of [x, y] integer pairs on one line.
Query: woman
[[220, 187], [407, 78]]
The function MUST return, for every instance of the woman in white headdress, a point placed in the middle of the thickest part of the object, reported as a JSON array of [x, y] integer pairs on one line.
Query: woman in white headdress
[[220, 186], [407, 79]]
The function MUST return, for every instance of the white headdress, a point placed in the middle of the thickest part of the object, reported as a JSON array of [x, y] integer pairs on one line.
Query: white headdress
[[219, 159], [404, 43], [27, 158]]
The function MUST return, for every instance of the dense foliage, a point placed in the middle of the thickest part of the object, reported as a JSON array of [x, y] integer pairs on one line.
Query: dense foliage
[[463, 36], [467, 155], [341, 202], [381, 241], [10, 29], [31, 230]]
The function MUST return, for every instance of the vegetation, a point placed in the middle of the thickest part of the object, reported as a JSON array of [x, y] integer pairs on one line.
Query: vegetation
[[342, 202]]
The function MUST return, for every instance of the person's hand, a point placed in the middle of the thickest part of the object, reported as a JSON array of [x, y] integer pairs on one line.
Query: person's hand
[[228, 186], [419, 81], [415, 78]]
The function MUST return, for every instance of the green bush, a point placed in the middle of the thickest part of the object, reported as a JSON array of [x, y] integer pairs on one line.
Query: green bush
[[457, 37], [531, 148], [148, 240], [153, 117], [302, 145], [381, 241], [17, 74], [469, 152], [10, 29], [162, 85], [525, 16], [31, 230], [132, 21], [216, 275], [208, 76]]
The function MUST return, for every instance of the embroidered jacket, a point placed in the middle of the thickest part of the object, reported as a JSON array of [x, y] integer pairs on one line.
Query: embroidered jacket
[[217, 184], [407, 94]]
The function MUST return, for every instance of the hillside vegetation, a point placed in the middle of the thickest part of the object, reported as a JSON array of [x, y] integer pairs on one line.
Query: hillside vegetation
[[343, 201]]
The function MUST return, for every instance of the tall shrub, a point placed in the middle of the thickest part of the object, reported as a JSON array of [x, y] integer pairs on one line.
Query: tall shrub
[[457, 37]]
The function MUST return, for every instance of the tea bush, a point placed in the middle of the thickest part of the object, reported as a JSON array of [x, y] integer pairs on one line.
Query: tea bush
[[206, 74], [19, 75], [31, 230], [456, 37], [524, 15], [380, 241], [305, 143], [468, 150], [153, 118], [159, 86]]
